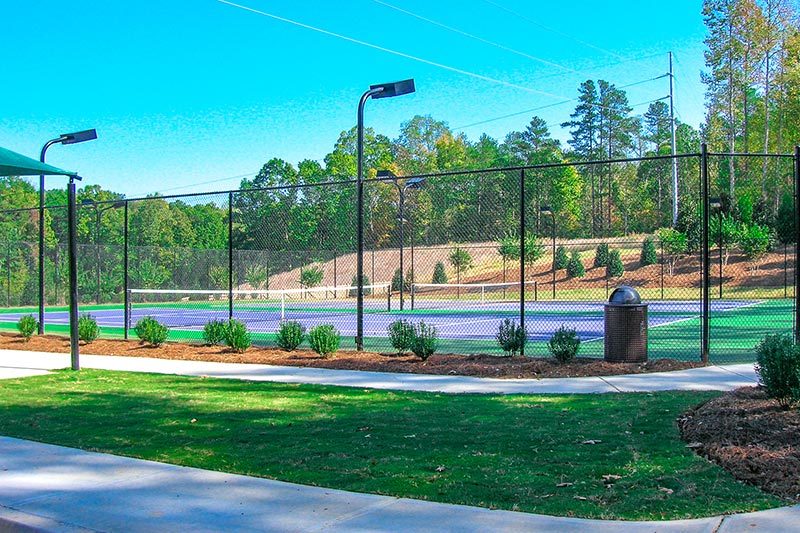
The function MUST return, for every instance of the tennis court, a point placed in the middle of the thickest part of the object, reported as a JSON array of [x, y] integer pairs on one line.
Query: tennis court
[[460, 313]]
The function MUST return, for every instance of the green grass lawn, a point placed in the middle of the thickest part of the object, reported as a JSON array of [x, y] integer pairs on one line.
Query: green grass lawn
[[507, 452]]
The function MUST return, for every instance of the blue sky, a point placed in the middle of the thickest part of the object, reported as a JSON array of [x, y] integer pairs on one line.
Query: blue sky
[[186, 92]]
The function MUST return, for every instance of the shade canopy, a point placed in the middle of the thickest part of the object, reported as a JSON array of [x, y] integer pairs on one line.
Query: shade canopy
[[14, 164]]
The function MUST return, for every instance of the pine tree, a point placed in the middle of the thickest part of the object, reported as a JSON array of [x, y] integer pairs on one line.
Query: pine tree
[[439, 274], [562, 259], [601, 256], [615, 266], [575, 267], [649, 255]]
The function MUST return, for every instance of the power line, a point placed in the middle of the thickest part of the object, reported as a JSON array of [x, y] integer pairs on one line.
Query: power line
[[389, 50], [552, 30], [539, 108], [475, 37], [240, 176]]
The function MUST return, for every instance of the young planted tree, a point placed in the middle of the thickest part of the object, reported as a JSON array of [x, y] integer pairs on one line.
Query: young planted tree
[[461, 260], [649, 255], [601, 256], [615, 267], [673, 243], [562, 258], [575, 268], [439, 274], [311, 276]]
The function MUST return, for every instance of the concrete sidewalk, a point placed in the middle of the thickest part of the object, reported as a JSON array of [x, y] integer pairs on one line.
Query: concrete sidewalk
[[18, 363], [53, 488]]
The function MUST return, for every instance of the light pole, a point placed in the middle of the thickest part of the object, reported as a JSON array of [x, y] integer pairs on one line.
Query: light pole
[[96, 237], [716, 204], [411, 183], [383, 90], [65, 138], [546, 210]]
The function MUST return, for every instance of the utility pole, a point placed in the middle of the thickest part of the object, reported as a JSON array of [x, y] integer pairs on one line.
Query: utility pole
[[674, 150]]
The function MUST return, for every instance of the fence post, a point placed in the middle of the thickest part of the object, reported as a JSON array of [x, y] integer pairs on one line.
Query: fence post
[[522, 256], [706, 264], [230, 255], [125, 279], [796, 243], [661, 244], [73, 274], [8, 273]]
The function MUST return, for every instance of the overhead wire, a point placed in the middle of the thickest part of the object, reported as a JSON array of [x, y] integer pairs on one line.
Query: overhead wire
[[390, 50]]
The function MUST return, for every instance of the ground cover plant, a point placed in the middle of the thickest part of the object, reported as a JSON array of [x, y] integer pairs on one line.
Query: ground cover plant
[[600, 456]]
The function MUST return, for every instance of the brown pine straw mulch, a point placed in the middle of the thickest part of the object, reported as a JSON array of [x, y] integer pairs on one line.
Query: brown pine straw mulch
[[480, 365], [751, 436]]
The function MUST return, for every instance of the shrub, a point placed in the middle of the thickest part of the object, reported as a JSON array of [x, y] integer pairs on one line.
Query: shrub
[[575, 267], [426, 340], [401, 335], [88, 330], [237, 337], [354, 292], [511, 337], [649, 255], [564, 344], [324, 339], [615, 266], [290, 335], [397, 282], [509, 248], [439, 275], [778, 368], [674, 244], [311, 276], [562, 259], [601, 256], [214, 332], [755, 241], [27, 326], [151, 331]]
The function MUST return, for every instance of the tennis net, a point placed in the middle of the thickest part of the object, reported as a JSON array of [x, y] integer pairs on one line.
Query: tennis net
[[192, 308], [460, 295]]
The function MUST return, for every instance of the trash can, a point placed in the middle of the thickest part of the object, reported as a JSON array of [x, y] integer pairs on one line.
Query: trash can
[[625, 327]]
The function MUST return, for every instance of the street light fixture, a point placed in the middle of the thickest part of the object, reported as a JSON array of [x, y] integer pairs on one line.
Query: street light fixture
[[546, 210], [411, 183], [382, 90], [64, 138]]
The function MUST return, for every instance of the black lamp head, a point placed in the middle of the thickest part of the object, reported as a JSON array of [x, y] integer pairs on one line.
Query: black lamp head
[[545, 210], [78, 136], [385, 173], [415, 183], [395, 88]]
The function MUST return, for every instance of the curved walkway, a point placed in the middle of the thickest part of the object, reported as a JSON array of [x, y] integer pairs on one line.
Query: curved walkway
[[18, 363]]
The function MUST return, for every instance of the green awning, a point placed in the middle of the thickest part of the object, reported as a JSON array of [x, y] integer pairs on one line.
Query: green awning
[[14, 164]]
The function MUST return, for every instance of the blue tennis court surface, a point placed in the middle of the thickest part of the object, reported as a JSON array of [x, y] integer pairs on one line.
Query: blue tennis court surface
[[453, 319]]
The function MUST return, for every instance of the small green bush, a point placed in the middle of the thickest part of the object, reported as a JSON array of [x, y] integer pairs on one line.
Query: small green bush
[[290, 335], [511, 337], [398, 281], [601, 256], [324, 339], [311, 276], [755, 241], [214, 332], [562, 259], [564, 344], [439, 274], [237, 337], [354, 292], [27, 326], [575, 267], [778, 368], [615, 266], [426, 340], [151, 331], [649, 255], [88, 330], [401, 335]]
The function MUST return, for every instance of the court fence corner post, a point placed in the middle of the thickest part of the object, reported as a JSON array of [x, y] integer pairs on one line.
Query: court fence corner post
[[522, 258], [73, 274], [705, 259], [230, 255], [796, 243], [125, 279]]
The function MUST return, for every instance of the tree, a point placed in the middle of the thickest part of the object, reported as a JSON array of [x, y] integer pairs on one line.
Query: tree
[[755, 241], [725, 231], [562, 259], [310, 276], [649, 256], [673, 242], [615, 266], [784, 222], [439, 274], [575, 268], [601, 256], [397, 281], [461, 260]]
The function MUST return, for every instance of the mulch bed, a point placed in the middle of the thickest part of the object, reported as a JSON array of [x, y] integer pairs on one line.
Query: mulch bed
[[751, 436], [443, 364]]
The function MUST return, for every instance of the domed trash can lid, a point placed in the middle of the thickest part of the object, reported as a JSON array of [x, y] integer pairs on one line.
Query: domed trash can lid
[[625, 295]]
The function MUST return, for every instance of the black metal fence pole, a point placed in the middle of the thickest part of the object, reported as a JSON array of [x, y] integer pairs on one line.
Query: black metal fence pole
[[230, 255], [73, 275], [125, 276], [706, 267], [661, 244], [796, 243], [522, 256]]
